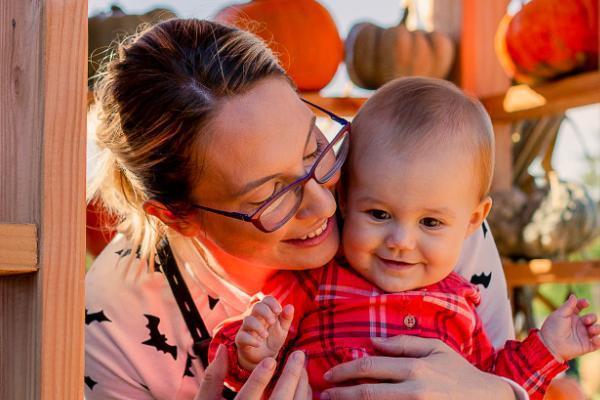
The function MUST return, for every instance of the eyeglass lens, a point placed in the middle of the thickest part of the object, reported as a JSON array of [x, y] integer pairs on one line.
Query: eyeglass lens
[[285, 206]]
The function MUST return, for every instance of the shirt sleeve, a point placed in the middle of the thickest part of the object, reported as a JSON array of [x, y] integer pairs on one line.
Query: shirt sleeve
[[528, 363], [288, 288], [480, 264]]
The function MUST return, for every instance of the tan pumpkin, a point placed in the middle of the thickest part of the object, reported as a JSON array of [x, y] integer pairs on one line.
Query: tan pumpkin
[[376, 55]]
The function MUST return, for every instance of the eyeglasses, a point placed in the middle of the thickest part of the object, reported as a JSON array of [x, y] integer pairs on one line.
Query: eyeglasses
[[282, 205]]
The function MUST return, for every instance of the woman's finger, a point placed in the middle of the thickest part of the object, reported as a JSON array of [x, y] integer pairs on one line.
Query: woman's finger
[[303, 391], [211, 387], [374, 367], [408, 346], [378, 391], [290, 377], [256, 384]]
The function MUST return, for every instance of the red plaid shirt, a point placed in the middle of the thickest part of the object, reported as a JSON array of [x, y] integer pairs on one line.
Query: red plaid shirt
[[337, 312]]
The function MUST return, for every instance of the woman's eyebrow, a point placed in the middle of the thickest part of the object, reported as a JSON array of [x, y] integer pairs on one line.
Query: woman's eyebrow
[[254, 184]]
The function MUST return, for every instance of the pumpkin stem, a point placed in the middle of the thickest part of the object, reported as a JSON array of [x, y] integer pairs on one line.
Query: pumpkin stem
[[404, 17]]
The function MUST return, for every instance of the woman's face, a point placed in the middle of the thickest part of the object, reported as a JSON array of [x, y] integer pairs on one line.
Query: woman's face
[[259, 142]]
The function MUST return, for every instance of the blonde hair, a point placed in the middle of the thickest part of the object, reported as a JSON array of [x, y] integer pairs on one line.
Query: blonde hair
[[155, 104], [409, 115]]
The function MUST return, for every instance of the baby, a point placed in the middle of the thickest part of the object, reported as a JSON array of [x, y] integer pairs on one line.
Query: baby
[[417, 178]]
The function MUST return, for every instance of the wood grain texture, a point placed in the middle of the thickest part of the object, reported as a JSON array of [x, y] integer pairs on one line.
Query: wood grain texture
[[42, 175], [62, 255], [18, 248], [20, 183]]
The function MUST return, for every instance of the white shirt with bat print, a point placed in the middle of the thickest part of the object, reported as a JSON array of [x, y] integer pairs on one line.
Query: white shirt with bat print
[[139, 347]]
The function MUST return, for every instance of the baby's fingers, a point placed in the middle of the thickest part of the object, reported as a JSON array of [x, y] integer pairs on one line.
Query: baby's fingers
[[264, 311], [252, 324], [593, 330], [589, 319], [286, 317], [244, 338]]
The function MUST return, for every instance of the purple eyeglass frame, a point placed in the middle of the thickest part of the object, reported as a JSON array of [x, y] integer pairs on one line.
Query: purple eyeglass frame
[[254, 217]]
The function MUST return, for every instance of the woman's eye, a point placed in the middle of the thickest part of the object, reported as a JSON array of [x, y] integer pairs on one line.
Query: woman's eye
[[431, 222], [276, 187], [379, 214], [320, 146]]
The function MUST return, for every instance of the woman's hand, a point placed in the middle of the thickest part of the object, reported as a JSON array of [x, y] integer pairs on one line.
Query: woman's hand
[[292, 384], [419, 369]]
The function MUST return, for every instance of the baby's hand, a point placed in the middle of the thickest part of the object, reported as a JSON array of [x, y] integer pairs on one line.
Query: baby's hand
[[263, 332], [568, 335]]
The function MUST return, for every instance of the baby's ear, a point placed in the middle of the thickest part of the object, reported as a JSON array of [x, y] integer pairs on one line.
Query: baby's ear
[[480, 212]]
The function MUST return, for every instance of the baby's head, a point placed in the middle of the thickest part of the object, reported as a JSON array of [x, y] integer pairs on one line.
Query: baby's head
[[417, 178]]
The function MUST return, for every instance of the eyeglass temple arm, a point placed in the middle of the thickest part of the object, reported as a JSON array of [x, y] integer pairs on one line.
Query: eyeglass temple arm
[[236, 215], [341, 120]]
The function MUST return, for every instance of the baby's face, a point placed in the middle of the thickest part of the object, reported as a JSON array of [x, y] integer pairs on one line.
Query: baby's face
[[406, 220]]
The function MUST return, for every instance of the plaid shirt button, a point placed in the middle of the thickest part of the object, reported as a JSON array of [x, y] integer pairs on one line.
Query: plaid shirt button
[[410, 321]]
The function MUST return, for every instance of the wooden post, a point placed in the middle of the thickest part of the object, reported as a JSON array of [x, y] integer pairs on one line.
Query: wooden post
[[478, 70], [43, 48]]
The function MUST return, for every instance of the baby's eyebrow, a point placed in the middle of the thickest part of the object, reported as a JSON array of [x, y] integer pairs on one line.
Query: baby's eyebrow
[[442, 210]]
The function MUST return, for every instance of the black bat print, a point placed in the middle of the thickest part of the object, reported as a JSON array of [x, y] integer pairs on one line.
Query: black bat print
[[485, 229], [123, 252], [157, 339], [212, 302], [482, 279], [188, 366], [98, 317], [90, 382]]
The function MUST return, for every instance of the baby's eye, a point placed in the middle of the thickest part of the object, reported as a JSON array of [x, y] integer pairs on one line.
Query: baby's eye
[[431, 222], [379, 214]]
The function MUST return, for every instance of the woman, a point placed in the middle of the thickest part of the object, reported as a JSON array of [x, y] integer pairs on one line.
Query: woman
[[203, 143]]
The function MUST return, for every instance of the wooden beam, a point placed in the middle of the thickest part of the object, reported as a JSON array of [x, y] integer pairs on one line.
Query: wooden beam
[[522, 101], [42, 176], [62, 255], [18, 249], [481, 74], [540, 271]]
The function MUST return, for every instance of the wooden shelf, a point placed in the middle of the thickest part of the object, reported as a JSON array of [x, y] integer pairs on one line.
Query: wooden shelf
[[540, 271], [519, 102], [523, 101]]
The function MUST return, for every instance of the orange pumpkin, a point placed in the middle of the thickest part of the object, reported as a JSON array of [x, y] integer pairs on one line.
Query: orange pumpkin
[[548, 39], [301, 32], [564, 388]]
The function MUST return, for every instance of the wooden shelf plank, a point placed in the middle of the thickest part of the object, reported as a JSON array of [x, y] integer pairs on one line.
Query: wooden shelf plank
[[540, 271], [18, 249], [523, 101]]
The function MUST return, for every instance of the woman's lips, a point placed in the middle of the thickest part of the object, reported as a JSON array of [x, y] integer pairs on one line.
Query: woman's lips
[[318, 239]]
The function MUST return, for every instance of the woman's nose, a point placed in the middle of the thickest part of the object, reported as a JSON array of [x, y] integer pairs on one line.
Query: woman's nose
[[318, 201], [401, 238]]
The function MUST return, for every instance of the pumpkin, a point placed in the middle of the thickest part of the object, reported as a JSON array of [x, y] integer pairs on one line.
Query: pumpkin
[[564, 388], [376, 55], [301, 33], [105, 28], [548, 39]]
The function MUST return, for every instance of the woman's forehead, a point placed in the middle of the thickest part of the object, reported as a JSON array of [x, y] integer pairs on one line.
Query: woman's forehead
[[255, 135]]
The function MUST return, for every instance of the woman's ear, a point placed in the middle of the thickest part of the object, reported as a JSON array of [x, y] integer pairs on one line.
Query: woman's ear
[[479, 214], [183, 225]]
